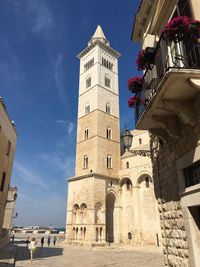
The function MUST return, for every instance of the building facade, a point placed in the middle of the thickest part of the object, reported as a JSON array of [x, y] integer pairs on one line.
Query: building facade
[[8, 137], [110, 183], [171, 114]]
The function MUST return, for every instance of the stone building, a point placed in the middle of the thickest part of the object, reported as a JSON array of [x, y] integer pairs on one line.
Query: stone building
[[8, 137], [111, 198], [171, 114]]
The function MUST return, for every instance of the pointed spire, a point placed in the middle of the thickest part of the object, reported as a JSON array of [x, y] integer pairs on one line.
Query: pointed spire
[[99, 35]]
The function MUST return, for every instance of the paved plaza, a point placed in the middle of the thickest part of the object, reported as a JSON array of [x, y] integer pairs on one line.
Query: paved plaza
[[70, 256]]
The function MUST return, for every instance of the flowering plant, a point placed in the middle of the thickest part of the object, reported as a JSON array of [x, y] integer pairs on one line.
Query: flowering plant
[[182, 28], [133, 100], [146, 58], [135, 84]]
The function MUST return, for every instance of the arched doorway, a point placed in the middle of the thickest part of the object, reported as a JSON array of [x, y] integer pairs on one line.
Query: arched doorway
[[110, 203]]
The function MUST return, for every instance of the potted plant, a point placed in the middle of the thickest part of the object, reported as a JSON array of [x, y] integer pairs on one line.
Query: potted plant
[[135, 84], [135, 100], [146, 58], [182, 28]]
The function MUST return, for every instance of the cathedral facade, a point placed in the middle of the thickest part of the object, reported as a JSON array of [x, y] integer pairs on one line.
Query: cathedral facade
[[111, 198]]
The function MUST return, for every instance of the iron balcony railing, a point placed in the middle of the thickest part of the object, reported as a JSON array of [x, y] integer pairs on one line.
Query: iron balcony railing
[[182, 55]]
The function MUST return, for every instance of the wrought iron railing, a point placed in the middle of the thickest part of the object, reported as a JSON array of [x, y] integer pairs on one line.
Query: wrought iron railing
[[167, 55]]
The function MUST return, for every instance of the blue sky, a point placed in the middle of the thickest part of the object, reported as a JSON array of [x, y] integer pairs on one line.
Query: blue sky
[[39, 74]]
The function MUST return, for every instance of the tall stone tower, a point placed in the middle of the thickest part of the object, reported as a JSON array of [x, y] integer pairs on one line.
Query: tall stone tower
[[98, 146]]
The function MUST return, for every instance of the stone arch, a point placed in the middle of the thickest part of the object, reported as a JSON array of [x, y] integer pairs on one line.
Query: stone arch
[[83, 210], [110, 205], [98, 208], [126, 182], [143, 178], [75, 213]]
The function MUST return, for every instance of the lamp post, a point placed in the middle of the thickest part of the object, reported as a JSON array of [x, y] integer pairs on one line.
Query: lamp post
[[127, 141]]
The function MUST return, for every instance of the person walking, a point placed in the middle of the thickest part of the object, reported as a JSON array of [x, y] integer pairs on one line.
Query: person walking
[[27, 241], [32, 247], [48, 240], [54, 240], [42, 242]]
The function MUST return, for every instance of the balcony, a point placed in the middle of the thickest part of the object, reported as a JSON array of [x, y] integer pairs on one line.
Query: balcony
[[171, 88]]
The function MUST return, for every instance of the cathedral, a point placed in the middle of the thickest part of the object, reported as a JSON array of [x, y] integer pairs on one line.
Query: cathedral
[[111, 198]]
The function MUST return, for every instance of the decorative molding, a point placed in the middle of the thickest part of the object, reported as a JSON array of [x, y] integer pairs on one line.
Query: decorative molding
[[160, 133], [182, 108], [169, 123], [93, 174], [143, 153]]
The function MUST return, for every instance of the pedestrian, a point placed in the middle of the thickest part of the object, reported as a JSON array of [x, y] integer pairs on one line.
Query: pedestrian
[[27, 241], [13, 238], [54, 240], [42, 242], [48, 240], [32, 247]]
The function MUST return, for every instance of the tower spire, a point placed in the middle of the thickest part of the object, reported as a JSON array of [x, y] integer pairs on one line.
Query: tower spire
[[99, 35]]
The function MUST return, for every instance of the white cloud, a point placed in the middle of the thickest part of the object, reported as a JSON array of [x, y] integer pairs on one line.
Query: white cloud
[[59, 160], [28, 176], [69, 126]]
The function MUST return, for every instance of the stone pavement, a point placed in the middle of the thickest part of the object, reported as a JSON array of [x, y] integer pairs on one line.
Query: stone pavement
[[71, 256], [7, 256]]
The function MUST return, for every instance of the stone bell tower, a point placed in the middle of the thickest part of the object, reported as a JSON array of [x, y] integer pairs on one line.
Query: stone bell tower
[[98, 144]]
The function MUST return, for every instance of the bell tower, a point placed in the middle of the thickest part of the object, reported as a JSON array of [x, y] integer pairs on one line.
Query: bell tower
[[98, 137], [98, 140]]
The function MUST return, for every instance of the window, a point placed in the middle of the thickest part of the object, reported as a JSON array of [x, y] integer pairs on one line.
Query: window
[[128, 184], [107, 64], [86, 134], [140, 141], [3, 181], [147, 181], [88, 82], [127, 165], [85, 163], [109, 162], [192, 174], [87, 109], [107, 82], [108, 108], [89, 64], [108, 133], [8, 148]]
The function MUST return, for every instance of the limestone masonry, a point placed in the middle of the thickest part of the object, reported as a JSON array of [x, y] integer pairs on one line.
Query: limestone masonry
[[111, 198]]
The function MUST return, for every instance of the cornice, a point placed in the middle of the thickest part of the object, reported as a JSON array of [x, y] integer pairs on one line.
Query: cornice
[[92, 174], [104, 46]]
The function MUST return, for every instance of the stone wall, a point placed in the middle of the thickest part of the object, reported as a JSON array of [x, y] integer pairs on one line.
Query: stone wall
[[178, 249]]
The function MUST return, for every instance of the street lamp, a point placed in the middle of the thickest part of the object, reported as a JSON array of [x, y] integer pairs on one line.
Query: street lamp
[[127, 141]]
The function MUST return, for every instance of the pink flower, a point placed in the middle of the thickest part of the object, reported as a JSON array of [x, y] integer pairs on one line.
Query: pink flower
[[135, 84], [135, 99]]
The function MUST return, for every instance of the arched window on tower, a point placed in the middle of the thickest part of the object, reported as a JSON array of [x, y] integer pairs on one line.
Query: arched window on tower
[[88, 82], [108, 133], [127, 165], [87, 108], [109, 162], [108, 109], [86, 133], [85, 162], [107, 82]]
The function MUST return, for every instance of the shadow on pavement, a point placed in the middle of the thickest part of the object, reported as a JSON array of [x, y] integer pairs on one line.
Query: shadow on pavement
[[3, 264], [23, 253]]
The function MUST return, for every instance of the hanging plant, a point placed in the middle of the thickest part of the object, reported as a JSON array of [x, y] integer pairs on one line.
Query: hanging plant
[[135, 100], [146, 59], [135, 84], [182, 28]]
